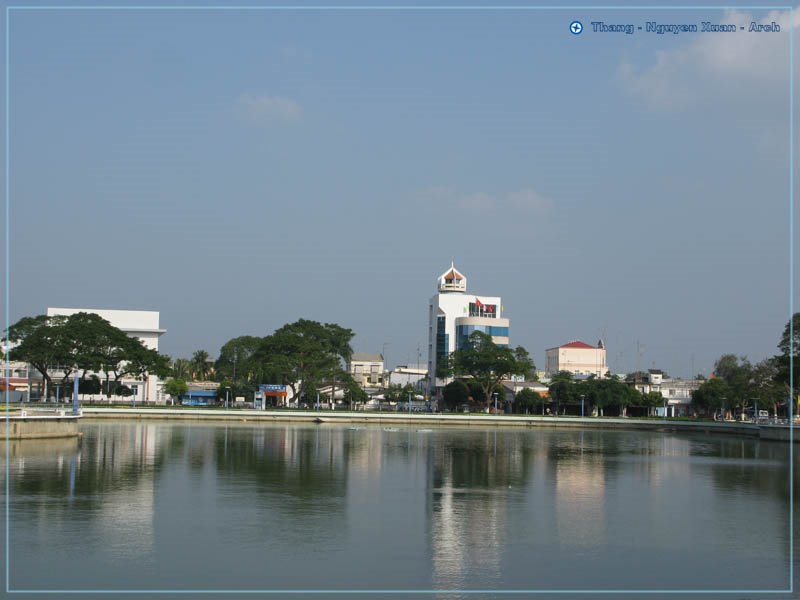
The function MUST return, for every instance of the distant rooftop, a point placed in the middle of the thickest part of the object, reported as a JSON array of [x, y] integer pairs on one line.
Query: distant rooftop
[[366, 357], [578, 344], [132, 321]]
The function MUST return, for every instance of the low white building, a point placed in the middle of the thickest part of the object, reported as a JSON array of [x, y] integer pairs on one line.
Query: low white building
[[140, 324], [404, 375], [677, 393], [578, 358], [512, 388]]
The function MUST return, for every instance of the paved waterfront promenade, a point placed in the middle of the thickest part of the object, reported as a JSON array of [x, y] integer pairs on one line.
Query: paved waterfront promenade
[[776, 432]]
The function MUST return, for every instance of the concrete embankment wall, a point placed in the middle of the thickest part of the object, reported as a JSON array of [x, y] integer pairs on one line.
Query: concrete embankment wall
[[27, 428], [442, 420]]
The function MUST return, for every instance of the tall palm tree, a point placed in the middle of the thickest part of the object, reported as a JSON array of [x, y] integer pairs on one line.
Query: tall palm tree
[[200, 365], [181, 369]]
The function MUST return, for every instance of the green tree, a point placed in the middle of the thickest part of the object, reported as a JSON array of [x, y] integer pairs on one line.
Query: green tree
[[97, 345], [303, 354], [606, 393], [788, 361], [455, 394], [181, 369], [236, 360], [175, 388], [141, 361], [399, 393], [353, 392], [81, 343], [488, 364], [562, 376], [768, 390], [738, 374], [40, 341], [652, 400], [199, 365], [394, 393], [789, 344], [712, 395], [527, 401], [563, 390]]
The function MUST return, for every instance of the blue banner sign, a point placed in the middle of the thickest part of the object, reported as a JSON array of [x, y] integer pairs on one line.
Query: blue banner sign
[[271, 387]]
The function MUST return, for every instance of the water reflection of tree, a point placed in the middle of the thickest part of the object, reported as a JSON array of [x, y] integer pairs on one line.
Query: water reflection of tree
[[105, 459], [752, 466], [303, 468], [473, 476], [487, 460]]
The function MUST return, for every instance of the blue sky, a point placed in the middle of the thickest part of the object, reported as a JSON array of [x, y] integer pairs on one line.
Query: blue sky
[[237, 170]]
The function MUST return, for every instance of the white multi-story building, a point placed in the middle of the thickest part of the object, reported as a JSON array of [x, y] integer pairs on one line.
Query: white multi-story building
[[453, 315], [141, 324], [367, 369], [578, 358]]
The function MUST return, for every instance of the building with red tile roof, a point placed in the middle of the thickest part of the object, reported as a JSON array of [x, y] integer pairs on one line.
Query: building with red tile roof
[[578, 358]]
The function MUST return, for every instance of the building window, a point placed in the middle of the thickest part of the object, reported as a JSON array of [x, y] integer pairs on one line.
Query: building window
[[442, 341], [464, 331]]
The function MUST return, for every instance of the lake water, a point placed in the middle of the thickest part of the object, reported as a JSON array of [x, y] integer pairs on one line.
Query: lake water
[[173, 505]]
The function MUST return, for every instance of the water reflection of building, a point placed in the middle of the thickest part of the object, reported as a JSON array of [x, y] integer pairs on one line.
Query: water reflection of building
[[125, 518], [580, 500], [105, 481], [470, 490]]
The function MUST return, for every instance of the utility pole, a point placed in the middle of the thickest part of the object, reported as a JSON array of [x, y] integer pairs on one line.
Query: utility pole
[[639, 354]]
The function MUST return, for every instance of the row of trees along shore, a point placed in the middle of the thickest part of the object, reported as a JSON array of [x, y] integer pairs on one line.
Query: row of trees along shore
[[307, 355], [735, 386], [84, 344], [304, 356]]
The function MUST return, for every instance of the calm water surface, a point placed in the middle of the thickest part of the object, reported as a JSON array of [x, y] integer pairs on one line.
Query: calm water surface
[[169, 505]]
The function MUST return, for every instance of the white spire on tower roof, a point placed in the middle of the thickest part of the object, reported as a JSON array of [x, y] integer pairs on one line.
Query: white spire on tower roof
[[452, 280]]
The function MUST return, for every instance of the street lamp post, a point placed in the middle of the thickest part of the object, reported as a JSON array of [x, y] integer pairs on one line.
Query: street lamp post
[[227, 391], [755, 410], [409, 402], [722, 412], [75, 383], [582, 405], [58, 394], [495, 402]]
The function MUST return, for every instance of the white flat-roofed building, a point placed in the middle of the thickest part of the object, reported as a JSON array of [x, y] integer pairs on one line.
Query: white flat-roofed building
[[141, 324], [453, 315], [408, 375], [578, 358]]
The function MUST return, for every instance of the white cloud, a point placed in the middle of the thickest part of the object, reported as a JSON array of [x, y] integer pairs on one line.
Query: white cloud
[[265, 109], [524, 201], [717, 63]]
